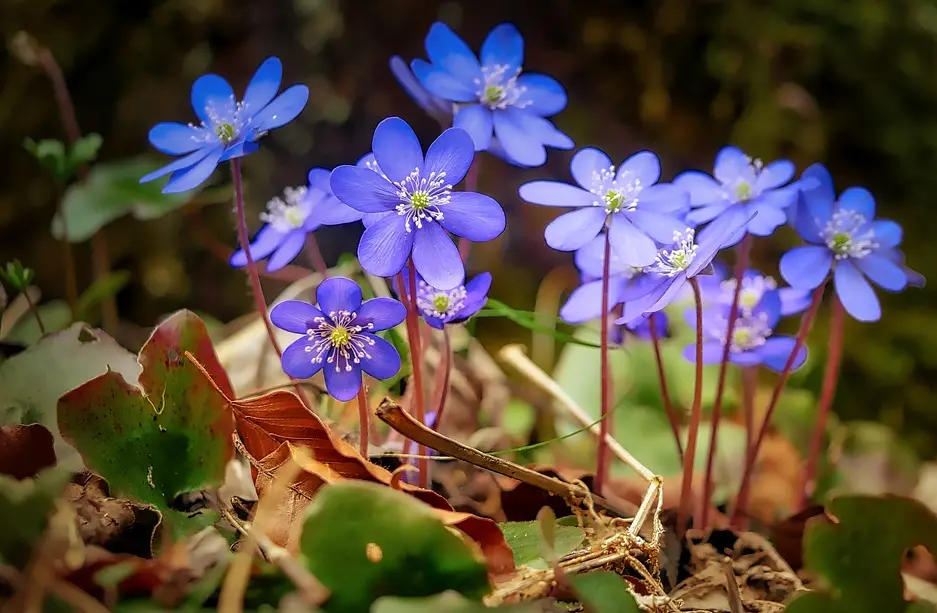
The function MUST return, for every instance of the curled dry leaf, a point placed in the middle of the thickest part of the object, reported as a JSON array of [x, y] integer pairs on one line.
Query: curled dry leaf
[[25, 450]]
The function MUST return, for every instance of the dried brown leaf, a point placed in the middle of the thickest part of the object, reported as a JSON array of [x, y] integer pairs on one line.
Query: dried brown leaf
[[25, 450]]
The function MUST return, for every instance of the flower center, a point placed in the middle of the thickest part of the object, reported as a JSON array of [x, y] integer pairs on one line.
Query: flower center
[[226, 122], [753, 290], [849, 235], [743, 191], [498, 88], [742, 187], [615, 193], [674, 261], [421, 197], [441, 304], [750, 332], [290, 212], [337, 340]]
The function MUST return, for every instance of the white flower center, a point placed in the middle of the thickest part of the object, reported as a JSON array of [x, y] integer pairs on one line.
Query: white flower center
[[674, 261], [615, 193], [290, 212], [750, 332], [743, 187], [753, 290], [340, 341], [849, 235], [225, 123], [498, 88], [421, 197], [440, 304]]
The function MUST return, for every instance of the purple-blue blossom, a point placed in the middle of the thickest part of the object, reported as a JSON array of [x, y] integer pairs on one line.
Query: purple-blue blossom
[[637, 210], [228, 128], [288, 219], [440, 307], [415, 195], [741, 186], [338, 336], [491, 97], [718, 289], [844, 237]]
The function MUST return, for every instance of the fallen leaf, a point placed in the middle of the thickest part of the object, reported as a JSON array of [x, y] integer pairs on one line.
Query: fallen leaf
[[604, 592], [25, 508], [525, 540], [25, 450]]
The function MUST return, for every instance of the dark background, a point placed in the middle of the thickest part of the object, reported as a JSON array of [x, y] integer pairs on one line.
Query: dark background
[[850, 84]]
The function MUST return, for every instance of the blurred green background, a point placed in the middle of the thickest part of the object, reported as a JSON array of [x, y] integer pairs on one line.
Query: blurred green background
[[850, 84]]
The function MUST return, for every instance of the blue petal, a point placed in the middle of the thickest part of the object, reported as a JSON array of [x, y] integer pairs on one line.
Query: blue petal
[[658, 226], [703, 189], [590, 258], [584, 303], [267, 239], [776, 352], [823, 188], [643, 165], [804, 221], [859, 200], [883, 272], [639, 287], [775, 175], [210, 90], [382, 313], [631, 245], [478, 122], [343, 385], [794, 300], [587, 164], [287, 251], [363, 189], [544, 96], [408, 81], [294, 316], [239, 149], [330, 211], [855, 293], [180, 164], [474, 216], [385, 246], [451, 153], [318, 178], [554, 193], [442, 84], [175, 138], [193, 176], [436, 257], [369, 219], [712, 352], [769, 307], [571, 231], [338, 294], [723, 232], [673, 290], [297, 362], [705, 214], [888, 233], [449, 52], [397, 149], [504, 45], [730, 161], [745, 359], [476, 295], [767, 219], [263, 85], [384, 361], [282, 110], [637, 307], [664, 198], [518, 142], [806, 267]]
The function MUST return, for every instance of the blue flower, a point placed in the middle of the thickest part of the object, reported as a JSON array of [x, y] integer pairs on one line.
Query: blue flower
[[492, 96], [440, 307], [717, 289], [844, 236], [435, 107], [338, 336], [676, 265], [636, 209], [288, 219], [228, 129], [753, 341], [417, 202], [741, 187]]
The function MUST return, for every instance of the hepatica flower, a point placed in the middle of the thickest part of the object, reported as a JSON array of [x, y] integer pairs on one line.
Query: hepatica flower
[[435, 107], [440, 307], [739, 188], [717, 289], [338, 336], [491, 96], [844, 236], [419, 205], [228, 128], [288, 219], [628, 200]]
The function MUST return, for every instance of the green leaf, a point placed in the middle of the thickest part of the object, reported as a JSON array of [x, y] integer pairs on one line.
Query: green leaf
[[110, 191], [17, 276], [451, 602], [56, 316], [85, 150], [860, 556], [529, 320], [525, 540], [25, 507], [364, 541], [32, 381], [51, 155], [604, 592], [169, 436]]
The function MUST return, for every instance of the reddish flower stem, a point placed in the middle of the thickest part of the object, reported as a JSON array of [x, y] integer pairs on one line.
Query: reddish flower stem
[[672, 416], [827, 393], [741, 264], [364, 421], [602, 452], [315, 256], [34, 311], [441, 382], [749, 387], [416, 361], [737, 518], [471, 182], [696, 414]]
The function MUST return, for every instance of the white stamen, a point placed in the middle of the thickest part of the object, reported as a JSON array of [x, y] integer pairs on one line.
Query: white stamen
[[753, 290], [614, 193], [421, 197], [226, 122], [290, 212], [338, 341], [672, 262], [744, 187], [498, 88], [849, 235], [750, 332], [441, 304]]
